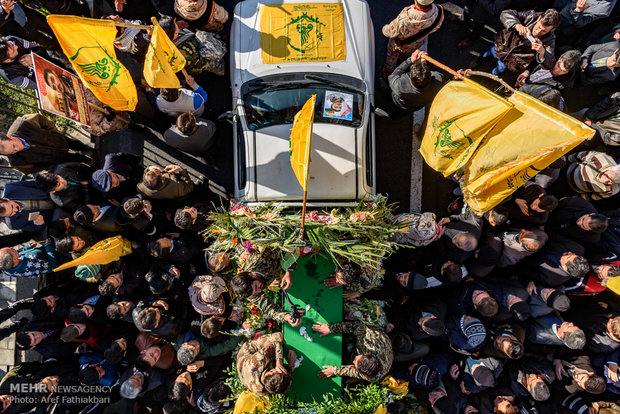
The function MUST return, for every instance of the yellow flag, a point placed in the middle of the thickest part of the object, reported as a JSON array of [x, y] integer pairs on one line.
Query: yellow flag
[[526, 140], [613, 284], [302, 32], [461, 114], [301, 141], [249, 403], [89, 45], [162, 61], [104, 252], [380, 410]]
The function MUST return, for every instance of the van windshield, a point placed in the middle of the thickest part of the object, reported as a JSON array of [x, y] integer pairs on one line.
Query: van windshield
[[275, 100]]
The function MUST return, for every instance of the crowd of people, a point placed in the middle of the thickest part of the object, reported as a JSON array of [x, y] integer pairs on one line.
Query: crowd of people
[[504, 313]]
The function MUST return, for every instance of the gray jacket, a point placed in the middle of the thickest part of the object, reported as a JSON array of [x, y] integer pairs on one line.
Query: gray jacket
[[599, 9], [605, 117], [199, 142], [601, 74], [408, 97]]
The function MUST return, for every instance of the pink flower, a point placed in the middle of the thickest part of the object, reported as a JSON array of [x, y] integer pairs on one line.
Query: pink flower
[[268, 216], [256, 336], [360, 216], [249, 247], [253, 310], [240, 210], [271, 324]]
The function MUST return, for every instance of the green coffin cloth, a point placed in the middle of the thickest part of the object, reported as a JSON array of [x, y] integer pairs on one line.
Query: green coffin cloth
[[325, 306]]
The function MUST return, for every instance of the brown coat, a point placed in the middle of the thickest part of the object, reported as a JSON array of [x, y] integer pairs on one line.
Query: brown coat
[[175, 186], [516, 51], [168, 357], [48, 147]]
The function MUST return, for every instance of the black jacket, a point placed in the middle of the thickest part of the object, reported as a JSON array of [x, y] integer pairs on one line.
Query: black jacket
[[127, 165], [75, 194], [563, 220], [107, 222]]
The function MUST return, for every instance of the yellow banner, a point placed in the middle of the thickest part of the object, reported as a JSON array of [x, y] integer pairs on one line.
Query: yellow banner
[[526, 140], [301, 141], [104, 252], [461, 114], [249, 403], [89, 45], [162, 61], [302, 32]]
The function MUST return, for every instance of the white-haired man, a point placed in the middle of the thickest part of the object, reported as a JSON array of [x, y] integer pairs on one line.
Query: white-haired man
[[593, 175]]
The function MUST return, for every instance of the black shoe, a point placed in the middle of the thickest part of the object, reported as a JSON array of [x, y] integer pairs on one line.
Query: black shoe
[[383, 86], [465, 43], [475, 62]]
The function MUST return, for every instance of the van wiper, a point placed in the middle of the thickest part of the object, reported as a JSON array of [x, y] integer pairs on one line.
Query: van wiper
[[334, 83], [277, 83]]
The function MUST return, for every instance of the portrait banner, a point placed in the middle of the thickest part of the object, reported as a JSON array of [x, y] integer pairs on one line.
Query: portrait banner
[[302, 32], [60, 92]]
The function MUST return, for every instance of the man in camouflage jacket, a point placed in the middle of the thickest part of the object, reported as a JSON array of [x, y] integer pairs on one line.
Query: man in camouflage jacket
[[374, 351], [259, 359]]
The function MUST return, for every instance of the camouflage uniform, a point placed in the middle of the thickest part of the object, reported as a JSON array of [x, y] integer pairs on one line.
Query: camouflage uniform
[[257, 356], [365, 283], [267, 263], [268, 308], [203, 51], [369, 340]]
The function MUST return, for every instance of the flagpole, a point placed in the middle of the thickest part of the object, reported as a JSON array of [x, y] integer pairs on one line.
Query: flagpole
[[102, 110], [303, 213], [133, 26], [462, 75]]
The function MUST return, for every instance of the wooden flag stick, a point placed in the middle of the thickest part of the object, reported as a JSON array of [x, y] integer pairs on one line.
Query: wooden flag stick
[[134, 26], [102, 110], [303, 213], [462, 75]]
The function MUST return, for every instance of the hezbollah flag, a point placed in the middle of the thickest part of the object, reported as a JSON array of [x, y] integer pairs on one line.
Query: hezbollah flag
[[104, 252], [461, 114], [526, 140], [89, 45], [302, 32], [162, 61], [301, 141]]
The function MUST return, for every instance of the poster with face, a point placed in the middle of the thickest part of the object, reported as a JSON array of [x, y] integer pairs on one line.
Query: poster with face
[[338, 105], [60, 92]]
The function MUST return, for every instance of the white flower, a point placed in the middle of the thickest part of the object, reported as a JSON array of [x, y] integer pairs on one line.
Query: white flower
[[298, 361], [304, 332]]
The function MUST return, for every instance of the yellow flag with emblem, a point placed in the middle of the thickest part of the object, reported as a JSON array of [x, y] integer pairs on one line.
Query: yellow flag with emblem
[[302, 32], [89, 45], [461, 114], [162, 61], [525, 141], [106, 251], [301, 141]]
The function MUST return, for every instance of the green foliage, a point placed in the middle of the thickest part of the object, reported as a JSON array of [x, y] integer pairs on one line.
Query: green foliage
[[362, 235], [233, 381], [359, 399], [14, 103]]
